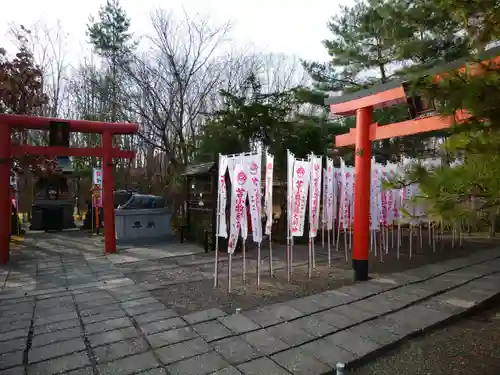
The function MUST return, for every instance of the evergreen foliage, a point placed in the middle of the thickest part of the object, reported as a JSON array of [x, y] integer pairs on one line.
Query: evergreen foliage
[[470, 189]]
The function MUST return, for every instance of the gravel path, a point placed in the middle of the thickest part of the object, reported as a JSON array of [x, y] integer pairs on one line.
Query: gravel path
[[470, 346]]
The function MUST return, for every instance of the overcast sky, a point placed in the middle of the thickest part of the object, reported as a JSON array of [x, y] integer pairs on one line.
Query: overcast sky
[[293, 27]]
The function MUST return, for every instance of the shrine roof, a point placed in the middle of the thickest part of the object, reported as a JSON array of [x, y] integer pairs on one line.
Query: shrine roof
[[197, 169], [392, 92]]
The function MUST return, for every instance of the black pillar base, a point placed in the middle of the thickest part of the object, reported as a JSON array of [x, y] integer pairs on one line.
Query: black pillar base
[[360, 268]]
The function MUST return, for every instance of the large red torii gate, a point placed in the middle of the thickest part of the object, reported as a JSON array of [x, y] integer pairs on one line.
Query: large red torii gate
[[107, 152], [361, 104]]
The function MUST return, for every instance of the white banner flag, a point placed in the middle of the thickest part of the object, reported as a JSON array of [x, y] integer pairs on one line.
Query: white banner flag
[[314, 197], [290, 161], [222, 196], [268, 204], [300, 186], [330, 191], [252, 164], [375, 197], [238, 207], [347, 187], [324, 199]]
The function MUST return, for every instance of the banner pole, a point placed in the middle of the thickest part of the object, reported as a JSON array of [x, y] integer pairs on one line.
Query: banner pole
[[258, 265], [216, 261]]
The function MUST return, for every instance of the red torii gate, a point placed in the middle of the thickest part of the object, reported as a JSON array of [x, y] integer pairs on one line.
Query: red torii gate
[[361, 104], [107, 152]]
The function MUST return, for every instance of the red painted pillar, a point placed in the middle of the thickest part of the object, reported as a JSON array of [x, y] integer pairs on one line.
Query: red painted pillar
[[108, 199], [362, 194], [5, 202]]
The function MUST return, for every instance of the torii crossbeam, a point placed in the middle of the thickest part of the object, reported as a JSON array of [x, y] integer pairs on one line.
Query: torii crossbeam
[[361, 104]]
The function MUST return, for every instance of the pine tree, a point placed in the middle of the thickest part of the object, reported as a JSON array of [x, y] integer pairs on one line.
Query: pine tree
[[110, 36], [426, 35], [470, 190]]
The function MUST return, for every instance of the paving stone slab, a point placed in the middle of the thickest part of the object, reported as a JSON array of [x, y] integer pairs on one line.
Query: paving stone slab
[[421, 317], [285, 312], [264, 316], [474, 292], [313, 325], [60, 365], [334, 319], [52, 303], [298, 362], [226, 371], [6, 319], [200, 365], [183, 350], [436, 285], [14, 371], [109, 337], [307, 305], [447, 304], [56, 326], [262, 366], [9, 335], [139, 302], [11, 359], [273, 314], [131, 296], [162, 325], [290, 334], [378, 305], [155, 371], [108, 325], [353, 343], [92, 296], [86, 305], [395, 326], [53, 337], [138, 310], [355, 314], [12, 313], [203, 315], [89, 319], [48, 319], [14, 325], [173, 336], [361, 290], [235, 350], [155, 316], [57, 349], [212, 330], [129, 365], [81, 371], [408, 293], [120, 349], [13, 345], [96, 310], [264, 342], [238, 323], [327, 353], [335, 297], [375, 332], [399, 278]]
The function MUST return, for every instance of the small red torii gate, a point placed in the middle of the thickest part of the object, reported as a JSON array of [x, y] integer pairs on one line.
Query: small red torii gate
[[107, 152], [361, 104]]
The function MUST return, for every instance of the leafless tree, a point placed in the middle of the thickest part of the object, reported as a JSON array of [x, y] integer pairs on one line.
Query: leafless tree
[[48, 45], [173, 81], [280, 72]]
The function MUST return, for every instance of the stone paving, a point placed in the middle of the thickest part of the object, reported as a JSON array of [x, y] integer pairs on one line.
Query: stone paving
[[81, 315]]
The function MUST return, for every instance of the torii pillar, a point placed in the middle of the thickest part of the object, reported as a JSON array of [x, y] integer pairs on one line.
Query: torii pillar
[[362, 167]]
